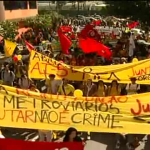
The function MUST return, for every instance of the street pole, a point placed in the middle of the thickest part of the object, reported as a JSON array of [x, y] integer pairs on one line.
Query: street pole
[[49, 4]]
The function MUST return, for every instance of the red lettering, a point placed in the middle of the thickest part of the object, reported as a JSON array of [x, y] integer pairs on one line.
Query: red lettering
[[112, 98], [75, 98], [88, 99], [142, 71], [43, 95], [141, 108], [138, 112], [98, 99], [62, 70], [122, 99], [65, 97], [26, 92], [147, 109], [45, 71], [136, 73], [36, 67]]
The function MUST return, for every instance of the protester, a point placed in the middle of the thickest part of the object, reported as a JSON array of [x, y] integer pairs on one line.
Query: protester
[[7, 76], [72, 136], [90, 89], [52, 84], [33, 88], [24, 82], [45, 134], [114, 89], [123, 47], [102, 89], [133, 87], [66, 88]]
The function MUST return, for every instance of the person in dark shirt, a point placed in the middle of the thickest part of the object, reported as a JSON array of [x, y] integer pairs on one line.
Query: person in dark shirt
[[72, 136]]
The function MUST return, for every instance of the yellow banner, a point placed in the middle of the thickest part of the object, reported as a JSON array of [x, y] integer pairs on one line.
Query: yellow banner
[[9, 48], [41, 65], [121, 114]]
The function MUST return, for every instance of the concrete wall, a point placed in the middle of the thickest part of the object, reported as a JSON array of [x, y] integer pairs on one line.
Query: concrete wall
[[16, 14], [2, 11]]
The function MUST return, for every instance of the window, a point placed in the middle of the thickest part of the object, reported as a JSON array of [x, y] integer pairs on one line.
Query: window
[[23, 4], [14, 5], [7, 5], [32, 5]]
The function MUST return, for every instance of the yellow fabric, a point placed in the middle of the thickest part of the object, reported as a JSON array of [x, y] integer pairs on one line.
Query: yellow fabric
[[18, 74], [9, 48], [49, 85], [101, 91], [68, 89], [113, 91], [39, 64], [117, 114]]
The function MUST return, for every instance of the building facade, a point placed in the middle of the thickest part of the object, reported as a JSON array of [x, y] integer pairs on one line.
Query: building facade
[[10, 10]]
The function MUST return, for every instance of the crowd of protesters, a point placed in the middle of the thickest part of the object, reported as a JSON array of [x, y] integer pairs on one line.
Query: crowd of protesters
[[125, 47]]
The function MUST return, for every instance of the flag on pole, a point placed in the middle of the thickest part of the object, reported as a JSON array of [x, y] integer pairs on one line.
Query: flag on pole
[[9, 48], [64, 41]]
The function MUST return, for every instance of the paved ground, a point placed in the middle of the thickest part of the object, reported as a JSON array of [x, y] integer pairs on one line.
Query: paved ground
[[98, 141]]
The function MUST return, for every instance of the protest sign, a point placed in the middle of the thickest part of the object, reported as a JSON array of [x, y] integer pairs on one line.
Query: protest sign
[[117, 114], [9, 48], [24, 145], [41, 65]]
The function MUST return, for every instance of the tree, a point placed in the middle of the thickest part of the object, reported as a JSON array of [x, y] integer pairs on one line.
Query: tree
[[136, 10]]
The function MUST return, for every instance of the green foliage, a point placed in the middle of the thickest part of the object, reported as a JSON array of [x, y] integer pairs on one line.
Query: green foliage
[[8, 29]]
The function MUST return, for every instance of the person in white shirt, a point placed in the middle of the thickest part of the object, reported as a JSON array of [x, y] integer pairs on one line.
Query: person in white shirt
[[52, 84], [133, 87], [24, 82], [45, 134], [131, 46]]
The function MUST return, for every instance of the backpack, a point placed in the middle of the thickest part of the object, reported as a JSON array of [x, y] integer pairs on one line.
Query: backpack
[[124, 91], [3, 74]]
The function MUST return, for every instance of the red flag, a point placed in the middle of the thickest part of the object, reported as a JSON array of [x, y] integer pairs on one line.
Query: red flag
[[66, 29], [89, 31], [96, 23], [73, 37], [29, 46], [27, 145], [90, 45], [64, 41], [133, 25], [104, 51]]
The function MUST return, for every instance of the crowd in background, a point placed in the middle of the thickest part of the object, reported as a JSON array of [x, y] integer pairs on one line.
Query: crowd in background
[[124, 47]]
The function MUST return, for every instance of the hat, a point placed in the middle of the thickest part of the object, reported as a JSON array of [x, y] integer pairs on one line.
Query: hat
[[133, 78], [51, 75]]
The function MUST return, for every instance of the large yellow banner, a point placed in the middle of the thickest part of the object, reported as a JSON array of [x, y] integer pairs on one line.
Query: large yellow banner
[[121, 114], [41, 65]]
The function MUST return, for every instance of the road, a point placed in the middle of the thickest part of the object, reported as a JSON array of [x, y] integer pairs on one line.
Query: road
[[98, 141]]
